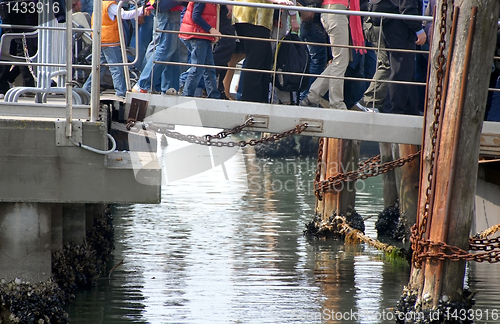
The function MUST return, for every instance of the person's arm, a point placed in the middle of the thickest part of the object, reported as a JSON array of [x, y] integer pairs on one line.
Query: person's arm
[[281, 2], [410, 7], [198, 19], [126, 15]]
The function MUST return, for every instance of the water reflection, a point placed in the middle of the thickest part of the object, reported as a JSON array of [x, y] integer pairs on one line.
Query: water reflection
[[218, 251]]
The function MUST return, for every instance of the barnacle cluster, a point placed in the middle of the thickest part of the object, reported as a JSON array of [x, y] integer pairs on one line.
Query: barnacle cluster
[[77, 265], [387, 224], [409, 309], [320, 228]]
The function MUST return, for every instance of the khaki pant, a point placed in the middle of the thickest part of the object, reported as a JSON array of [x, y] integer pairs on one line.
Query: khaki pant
[[374, 96], [337, 27]]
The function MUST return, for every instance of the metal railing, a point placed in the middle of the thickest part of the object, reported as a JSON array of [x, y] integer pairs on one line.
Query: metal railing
[[51, 62]]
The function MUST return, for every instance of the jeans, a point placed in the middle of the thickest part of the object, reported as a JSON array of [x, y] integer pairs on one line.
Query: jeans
[[164, 47], [201, 53], [314, 32], [111, 54], [145, 35], [494, 112]]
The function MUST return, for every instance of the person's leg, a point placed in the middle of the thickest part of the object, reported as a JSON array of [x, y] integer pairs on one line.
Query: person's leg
[[88, 84], [228, 78], [210, 77], [421, 60], [223, 51], [353, 89], [403, 99], [113, 55], [198, 51], [337, 27], [374, 96], [145, 35], [314, 33], [166, 47], [494, 112], [258, 55]]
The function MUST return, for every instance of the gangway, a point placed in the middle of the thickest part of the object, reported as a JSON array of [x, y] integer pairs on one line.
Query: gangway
[[274, 118]]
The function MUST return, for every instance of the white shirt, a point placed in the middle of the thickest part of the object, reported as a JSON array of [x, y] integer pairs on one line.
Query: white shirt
[[126, 14]]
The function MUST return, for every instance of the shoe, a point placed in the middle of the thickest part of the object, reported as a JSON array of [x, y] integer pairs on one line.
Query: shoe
[[307, 103], [171, 92], [136, 89], [365, 109]]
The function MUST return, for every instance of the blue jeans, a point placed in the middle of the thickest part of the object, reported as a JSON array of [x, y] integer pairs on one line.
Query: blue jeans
[[111, 54], [167, 49], [200, 53], [314, 32], [145, 34], [494, 112]]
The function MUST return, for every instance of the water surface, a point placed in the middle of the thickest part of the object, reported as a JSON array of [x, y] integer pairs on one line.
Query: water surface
[[233, 251]]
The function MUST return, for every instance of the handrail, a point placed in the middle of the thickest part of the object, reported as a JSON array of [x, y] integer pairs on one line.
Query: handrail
[[96, 49], [96, 62], [69, 68], [122, 42]]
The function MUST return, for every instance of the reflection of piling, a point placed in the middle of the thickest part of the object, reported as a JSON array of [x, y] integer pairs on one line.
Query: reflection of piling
[[454, 116]]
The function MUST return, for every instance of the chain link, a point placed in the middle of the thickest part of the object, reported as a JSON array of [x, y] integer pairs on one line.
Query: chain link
[[318, 193], [424, 248], [207, 139], [491, 248], [28, 59], [418, 233]]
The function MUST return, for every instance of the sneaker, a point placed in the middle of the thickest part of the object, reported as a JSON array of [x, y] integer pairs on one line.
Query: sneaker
[[171, 92], [365, 109], [136, 89], [307, 103]]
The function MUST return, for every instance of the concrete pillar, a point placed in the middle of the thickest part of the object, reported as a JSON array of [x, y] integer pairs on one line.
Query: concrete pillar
[[74, 221], [25, 241], [57, 227], [89, 217]]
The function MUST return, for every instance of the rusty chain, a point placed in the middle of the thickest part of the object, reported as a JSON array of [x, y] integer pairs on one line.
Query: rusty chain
[[418, 230], [491, 248], [368, 168], [207, 139], [425, 248], [317, 178]]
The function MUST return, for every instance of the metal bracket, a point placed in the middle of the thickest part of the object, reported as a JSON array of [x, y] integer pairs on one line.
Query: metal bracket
[[138, 109], [313, 125], [76, 132], [259, 121]]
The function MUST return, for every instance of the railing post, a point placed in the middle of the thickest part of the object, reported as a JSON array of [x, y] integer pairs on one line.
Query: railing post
[[69, 66], [96, 61]]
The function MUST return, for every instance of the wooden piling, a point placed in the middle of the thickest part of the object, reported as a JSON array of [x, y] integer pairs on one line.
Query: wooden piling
[[339, 156], [445, 215], [408, 197], [390, 190]]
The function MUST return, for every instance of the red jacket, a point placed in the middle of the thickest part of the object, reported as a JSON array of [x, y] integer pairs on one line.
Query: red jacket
[[210, 15]]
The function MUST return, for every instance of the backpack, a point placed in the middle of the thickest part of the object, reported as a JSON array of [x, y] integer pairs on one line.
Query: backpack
[[386, 6], [292, 58]]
